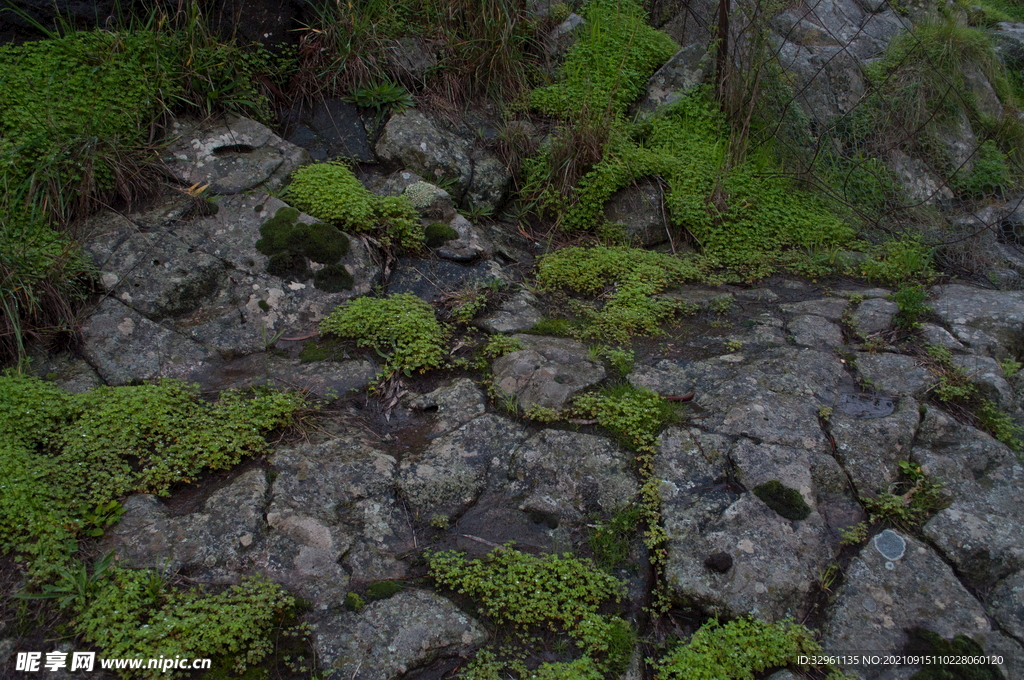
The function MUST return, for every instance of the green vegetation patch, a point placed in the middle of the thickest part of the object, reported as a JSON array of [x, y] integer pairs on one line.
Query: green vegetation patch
[[785, 501], [634, 415], [638, 276], [133, 615], [561, 593], [289, 243], [62, 455], [928, 643], [609, 65], [330, 192], [438, 233], [402, 328], [738, 650]]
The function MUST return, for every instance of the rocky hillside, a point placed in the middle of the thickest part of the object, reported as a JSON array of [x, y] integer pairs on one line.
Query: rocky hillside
[[515, 340]]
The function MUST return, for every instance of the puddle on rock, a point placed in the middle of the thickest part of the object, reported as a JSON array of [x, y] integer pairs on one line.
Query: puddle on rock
[[864, 405]]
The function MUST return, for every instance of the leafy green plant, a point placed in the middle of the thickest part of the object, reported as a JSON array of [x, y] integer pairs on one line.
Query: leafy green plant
[[610, 540], [66, 457], [74, 584], [638, 276], [737, 650], [123, 619], [910, 300], [634, 415], [330, 192], [384, 96], [401, 328], [1010, 367]]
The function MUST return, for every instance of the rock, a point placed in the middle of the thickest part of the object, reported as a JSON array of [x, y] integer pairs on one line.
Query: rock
[[982, 532], [1007, 605], [987, 376], [918, 180], [210, 540], [939, 336], [519, 313], [65, 371], [815, 331], [682, 73], [394, 636], [870, 449], [874, 316], [895, 374], [418, 143], [451, 406], [757, 295], [1009, 43], [999, 314], [562, 36], [828, 77], [430, 201], [565, 477], [773, 399], [395, 184], [453, 471], [700, 297], [830, 308], [491, 182], [326, 380], [895, 584], [639, 210], [411, 57], [160, 276], [329, 128], [469, 246], [432, 280], [774, 560], [764, 330], [123, 346], [547, 373], [232, 156]]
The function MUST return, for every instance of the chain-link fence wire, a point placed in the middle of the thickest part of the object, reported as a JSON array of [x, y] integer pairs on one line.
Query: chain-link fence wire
[[914, 152]]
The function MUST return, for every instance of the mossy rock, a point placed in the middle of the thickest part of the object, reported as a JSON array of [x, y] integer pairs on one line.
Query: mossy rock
[[320, 242], [288, 265], [287, 214], [923, 642], [354, 603], [783, 500], [382, 590], [333, 278], [438, 233], [275, 232]]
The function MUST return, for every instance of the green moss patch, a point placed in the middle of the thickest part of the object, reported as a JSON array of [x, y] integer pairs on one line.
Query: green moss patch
[[289, 243], [783, 500], [382, 590], [438, 233], [330, 192], [401, 328]]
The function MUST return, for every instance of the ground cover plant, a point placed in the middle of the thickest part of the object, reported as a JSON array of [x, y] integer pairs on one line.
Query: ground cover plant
[[64, 455]]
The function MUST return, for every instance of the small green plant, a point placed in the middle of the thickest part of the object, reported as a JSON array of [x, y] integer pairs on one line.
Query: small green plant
[[620, 360], [354, 603], [1010, 367], [440, 522], [561, 593], [543, 414], [635, 416], [499, 346], [104, 515], [855, 535], [1001, 425], [330, 192], [74, 584], [899, 262], [401, 328], [733, 346], [610, 540], [825, 413], [785, 501], [737, 650], [910, 300], [383, 96]]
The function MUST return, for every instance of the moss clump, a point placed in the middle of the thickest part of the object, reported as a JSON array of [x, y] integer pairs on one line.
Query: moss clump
[[402, 327], [290, 243], [333, 278], [354, 603], [783, 500], [330, 192], [924, 642], [438, 233], [132, 614], [382, 590]]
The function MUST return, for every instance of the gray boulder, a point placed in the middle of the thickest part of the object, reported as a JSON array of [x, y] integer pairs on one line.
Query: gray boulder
[[870, 449], [232, 156], [815, 331], [895, 584], [329, 128], [392, 637], [874, 316], [999, 314], [830, 308], [519, 313], [421, 145], [895, 374], [682, 73], [547, 373], [640, 211]]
